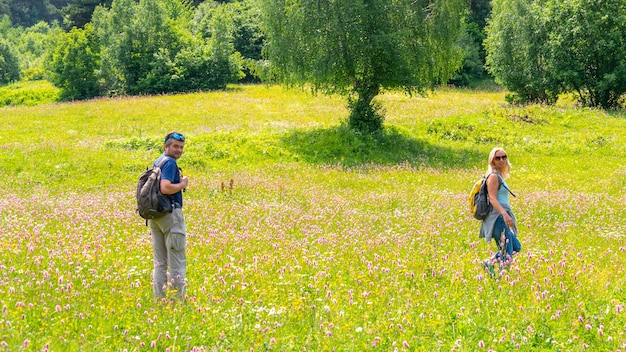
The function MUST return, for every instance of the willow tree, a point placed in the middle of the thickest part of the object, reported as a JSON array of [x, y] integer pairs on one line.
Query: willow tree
[[358, 48]]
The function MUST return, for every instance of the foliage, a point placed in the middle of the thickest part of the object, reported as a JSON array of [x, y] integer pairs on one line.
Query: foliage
[[138, 41], [517, 51], [26, 13], [35, 42], [539, 49], [149, 47], [359, 48], [9, 65], [471, 42], [248, 37], [73, 65], [212, 61], [227, 30], [78, 12], [28, 93], [326, 240], [30, 45], [472, 69], [587, 44]]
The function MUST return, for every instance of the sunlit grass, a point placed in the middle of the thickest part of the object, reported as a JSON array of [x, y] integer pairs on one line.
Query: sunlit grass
[[326, 240]]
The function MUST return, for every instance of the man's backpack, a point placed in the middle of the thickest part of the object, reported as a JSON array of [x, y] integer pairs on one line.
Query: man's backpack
[[479, 203], [151, 203]]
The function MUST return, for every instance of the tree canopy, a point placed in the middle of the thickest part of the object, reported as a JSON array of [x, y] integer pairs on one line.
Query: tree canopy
[[358, 47], [539, 49]]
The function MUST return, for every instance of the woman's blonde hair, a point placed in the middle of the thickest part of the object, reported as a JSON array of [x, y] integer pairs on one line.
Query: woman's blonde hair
[[491, 168]]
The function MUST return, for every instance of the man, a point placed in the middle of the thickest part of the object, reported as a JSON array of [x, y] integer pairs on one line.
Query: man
[[169, 232]]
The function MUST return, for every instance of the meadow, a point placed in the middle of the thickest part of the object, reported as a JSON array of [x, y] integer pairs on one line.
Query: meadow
[[305, 236]]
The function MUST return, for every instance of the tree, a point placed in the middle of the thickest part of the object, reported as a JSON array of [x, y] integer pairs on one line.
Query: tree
[[28, 12], [359, 47], [149, 47], [517, 55], [587, 41], [540, 48], [472, 44], [136, 40], [9, 64], [73, 65], [78, 12], [248, 37], [230, 27]]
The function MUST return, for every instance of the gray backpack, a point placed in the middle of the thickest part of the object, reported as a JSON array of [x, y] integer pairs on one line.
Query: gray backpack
[[479, 198], [151, 203]]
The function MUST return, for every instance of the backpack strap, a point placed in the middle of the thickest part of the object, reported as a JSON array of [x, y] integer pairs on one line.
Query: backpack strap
[[163, 161], [500, 183]]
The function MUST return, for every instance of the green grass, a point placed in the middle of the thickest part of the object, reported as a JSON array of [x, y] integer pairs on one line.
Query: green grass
[[327, 239]]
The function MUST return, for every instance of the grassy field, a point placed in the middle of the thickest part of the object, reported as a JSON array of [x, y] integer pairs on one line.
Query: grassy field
[[324, 240]]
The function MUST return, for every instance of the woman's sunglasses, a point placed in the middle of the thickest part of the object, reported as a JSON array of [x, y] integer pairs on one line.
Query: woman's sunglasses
[[500, 157]]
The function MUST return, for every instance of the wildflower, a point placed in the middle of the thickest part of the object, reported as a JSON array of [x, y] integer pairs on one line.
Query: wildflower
[[481, 344], [405, 344]]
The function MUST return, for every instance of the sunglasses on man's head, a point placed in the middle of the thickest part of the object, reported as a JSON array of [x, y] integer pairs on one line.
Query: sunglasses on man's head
[[177, 136], [500, 157]]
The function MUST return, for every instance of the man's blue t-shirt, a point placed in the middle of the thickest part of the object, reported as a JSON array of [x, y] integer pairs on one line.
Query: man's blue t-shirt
[[169, 171]]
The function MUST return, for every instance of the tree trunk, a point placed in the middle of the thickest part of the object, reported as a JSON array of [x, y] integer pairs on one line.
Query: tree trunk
[[365, 115]]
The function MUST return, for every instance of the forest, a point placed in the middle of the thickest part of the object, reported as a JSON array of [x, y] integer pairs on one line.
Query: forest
[[537, 50]]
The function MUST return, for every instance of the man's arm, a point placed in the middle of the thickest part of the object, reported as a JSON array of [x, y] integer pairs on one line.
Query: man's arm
[[167, 187]]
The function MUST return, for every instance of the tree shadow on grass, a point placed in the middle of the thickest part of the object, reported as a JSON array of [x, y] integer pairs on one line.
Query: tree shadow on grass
[[342, 146]]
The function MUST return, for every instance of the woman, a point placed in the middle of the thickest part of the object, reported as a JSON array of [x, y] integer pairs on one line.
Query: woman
[[500, 222]]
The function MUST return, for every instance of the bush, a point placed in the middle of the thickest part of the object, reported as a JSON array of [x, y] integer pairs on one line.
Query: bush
[[33, 74], [29, 93]]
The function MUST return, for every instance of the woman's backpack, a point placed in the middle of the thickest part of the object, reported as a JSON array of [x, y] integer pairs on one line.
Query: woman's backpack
[[479, 203]]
